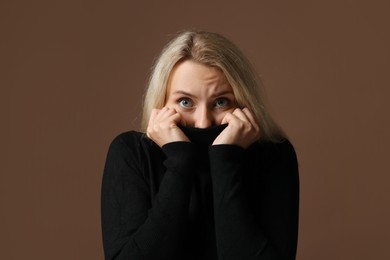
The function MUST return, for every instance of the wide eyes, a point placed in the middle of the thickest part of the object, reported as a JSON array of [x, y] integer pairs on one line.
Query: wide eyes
[[185, 102], [219, 103]]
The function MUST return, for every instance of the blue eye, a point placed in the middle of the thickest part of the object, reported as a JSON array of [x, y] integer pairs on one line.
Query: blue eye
[[221, 102], [185, 102]]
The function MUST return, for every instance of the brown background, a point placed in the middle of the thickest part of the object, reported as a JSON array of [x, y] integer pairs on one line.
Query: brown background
[[72, 77]]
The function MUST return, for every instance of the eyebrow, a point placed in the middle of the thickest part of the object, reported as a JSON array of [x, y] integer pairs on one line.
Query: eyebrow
[[221, 93]]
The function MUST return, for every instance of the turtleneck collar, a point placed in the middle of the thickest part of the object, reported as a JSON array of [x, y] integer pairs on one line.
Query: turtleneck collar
[[203, 136]]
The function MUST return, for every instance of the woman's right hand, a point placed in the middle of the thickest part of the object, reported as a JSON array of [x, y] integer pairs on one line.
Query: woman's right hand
[[162, 127]]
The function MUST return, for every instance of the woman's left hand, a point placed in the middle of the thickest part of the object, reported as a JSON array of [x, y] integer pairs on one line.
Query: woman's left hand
[[242, 129]]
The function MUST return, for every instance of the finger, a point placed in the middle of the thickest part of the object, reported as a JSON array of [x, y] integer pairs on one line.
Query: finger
[[174, 119], [165, 113], [224, 119], [229, 118], [154, 119], [241, 115], [182, 121], [153, 115], [173, 111], [251, 118], [253, 121]]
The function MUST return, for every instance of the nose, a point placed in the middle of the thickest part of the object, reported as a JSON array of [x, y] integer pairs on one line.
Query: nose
[[203, 118]]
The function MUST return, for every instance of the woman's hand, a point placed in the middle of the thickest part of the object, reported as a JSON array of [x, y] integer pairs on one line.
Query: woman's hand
[[162, 127], [242, 129]]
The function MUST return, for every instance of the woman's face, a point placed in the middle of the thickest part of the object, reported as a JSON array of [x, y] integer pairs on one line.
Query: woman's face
[[200, 94]]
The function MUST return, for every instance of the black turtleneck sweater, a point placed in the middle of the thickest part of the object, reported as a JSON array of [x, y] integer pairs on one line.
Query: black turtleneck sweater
[[196, 201]]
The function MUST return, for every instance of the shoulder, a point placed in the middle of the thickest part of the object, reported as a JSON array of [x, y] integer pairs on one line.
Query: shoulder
[[131, 141], [284, 146], [274, 152], [127, 148], [129, 138], [125, 164]]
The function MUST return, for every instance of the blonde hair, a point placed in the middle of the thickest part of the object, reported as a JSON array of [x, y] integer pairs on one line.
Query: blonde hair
[[214, 50]]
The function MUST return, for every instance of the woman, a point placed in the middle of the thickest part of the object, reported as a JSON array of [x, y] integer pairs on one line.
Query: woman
[[214, 177]]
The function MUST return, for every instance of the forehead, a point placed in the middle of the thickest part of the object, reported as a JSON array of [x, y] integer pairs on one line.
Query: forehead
[[194, 77]]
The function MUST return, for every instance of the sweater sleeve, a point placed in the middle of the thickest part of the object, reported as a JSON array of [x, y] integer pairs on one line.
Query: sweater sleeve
[[263, 227], [132, 228]]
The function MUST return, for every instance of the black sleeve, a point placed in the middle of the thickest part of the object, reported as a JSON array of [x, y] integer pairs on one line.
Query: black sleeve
[[131, 227], [270, 233]]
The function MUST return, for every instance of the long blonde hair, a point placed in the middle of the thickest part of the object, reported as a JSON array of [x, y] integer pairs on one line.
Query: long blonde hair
[[214, 50]]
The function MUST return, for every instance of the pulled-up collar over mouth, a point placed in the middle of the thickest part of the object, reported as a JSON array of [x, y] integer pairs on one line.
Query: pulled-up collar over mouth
[[203, 136]]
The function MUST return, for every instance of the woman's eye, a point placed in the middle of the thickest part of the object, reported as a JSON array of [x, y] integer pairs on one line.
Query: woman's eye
[[221, 102], [185, 102]]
